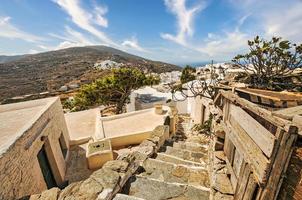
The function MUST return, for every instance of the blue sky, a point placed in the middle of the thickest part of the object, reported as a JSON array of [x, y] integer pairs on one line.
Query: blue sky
[[176, 31]]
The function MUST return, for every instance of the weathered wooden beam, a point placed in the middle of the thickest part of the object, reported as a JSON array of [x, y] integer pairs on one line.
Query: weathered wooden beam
[[250, 151], [243, 103], [273, 95], [288, 113], [233, 177], [283, 174], [242, 182], [286, 145], [228, 149], [260, 135], [250, 188], [238, 163]]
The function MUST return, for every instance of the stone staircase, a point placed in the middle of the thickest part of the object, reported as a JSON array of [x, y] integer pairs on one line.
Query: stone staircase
[[178, 171]]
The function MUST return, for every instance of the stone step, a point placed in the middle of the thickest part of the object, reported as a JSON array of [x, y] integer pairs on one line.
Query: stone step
[[176, 160], [126, 197], [172, 173], [152, 189], [185, 154], [203, 148], [198, 139]]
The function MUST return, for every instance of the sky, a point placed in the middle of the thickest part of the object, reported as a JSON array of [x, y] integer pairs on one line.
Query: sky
[[175, 31]]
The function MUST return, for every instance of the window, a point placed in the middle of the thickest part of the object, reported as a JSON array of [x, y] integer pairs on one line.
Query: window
[[63, 145]]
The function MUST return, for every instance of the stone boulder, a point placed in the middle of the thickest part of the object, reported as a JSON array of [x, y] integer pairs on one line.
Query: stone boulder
[[51, 194]]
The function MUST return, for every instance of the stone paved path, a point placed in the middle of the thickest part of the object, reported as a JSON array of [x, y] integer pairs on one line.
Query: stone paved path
[[178, 171]]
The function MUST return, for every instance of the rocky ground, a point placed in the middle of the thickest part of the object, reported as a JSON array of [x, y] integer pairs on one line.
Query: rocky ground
[[177, 171]]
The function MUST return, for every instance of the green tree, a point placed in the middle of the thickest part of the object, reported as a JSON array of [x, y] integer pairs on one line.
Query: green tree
[[113, 89], [268, 63], [188, 74]]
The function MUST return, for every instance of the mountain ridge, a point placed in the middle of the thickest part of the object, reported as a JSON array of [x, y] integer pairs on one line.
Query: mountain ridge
[[48, 71]]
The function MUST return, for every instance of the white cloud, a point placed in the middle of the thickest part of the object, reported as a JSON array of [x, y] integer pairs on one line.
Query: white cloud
[[220, 45], [62, 45], [87, 19], [68, 44], [226, 45], [185, 20], [286, 22], [70, 38], [99, 12], [265, 18], [33, 51], [8, 30], [73, 36], [274, 17], [133, 43]]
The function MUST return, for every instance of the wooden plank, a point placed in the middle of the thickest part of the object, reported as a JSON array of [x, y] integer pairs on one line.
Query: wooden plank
[[276, 96], [250, 188], [254, 108], [226, 110], [278, 136], [228, 149], [259, 193], [292, 103], [288, 113], [278, 167], [242, 182], [297, 121], [249, 150], [238, 162], [292, 187], [217, 100], [233, 177], [283, 174], [262, 137]]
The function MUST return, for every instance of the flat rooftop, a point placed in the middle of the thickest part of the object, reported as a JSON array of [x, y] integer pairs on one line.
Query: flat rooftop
[[131, 123], [88, 124], [17, 118], [82, 125]]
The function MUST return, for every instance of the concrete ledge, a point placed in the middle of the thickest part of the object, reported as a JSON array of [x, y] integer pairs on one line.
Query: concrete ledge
[[80, 141], [126, 114]]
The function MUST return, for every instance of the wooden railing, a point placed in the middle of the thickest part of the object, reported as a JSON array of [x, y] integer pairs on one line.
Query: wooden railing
[[257, 146]]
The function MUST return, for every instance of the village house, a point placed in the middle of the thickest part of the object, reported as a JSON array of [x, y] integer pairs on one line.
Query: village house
[[34, 147]]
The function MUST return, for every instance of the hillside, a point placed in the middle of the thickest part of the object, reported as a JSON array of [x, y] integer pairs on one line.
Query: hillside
[[50, 70], [4, 59]]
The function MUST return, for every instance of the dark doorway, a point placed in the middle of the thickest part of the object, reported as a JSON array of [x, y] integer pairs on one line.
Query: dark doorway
[[167, 121], [203, 113], [45, 168]]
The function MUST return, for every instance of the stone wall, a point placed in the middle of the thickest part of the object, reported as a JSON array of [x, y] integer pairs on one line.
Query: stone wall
[[20, 171]]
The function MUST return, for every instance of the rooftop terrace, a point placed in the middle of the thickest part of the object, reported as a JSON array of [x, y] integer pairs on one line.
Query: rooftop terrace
[[17, 118], [85, 125]]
